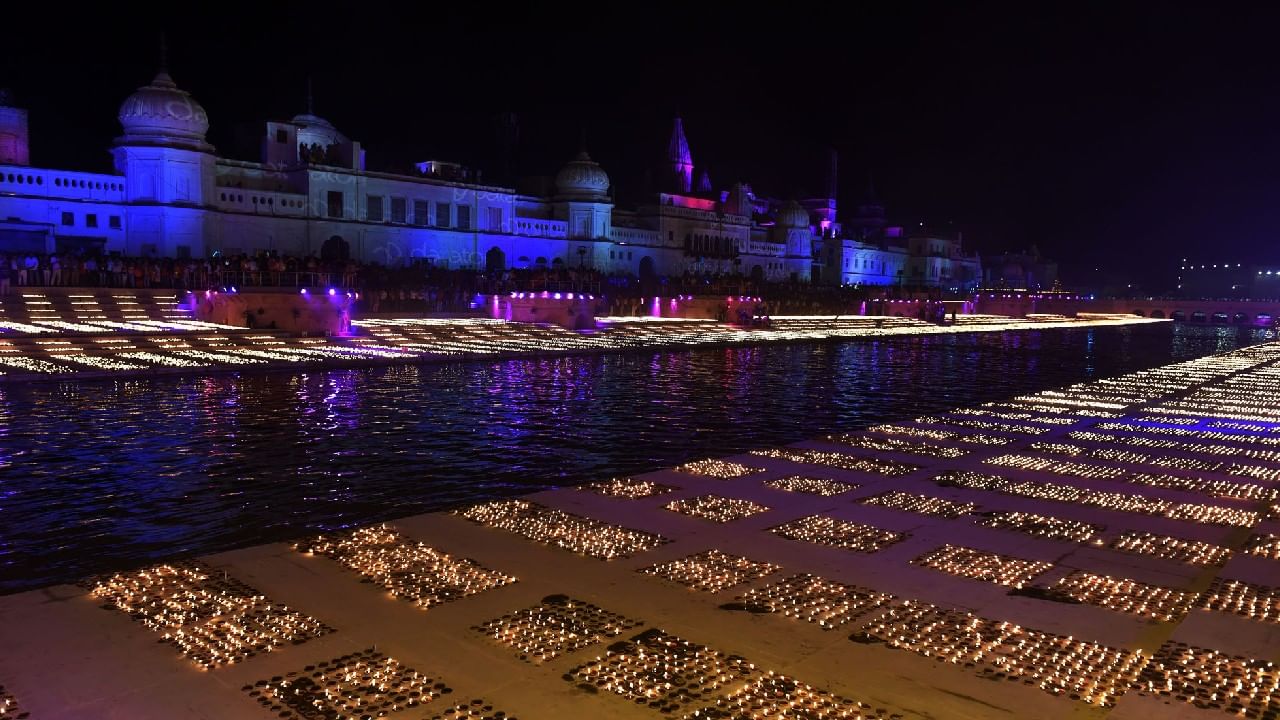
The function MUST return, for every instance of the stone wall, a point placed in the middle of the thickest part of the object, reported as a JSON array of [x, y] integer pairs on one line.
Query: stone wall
[[306, 314]]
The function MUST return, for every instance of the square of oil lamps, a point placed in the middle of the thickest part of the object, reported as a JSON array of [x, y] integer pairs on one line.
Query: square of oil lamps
[[920, 504], [360, 684], [808, 485], [664, 672], [716, 508], [826, 603], [628, 488], [711, 571], [409, 570], [558, 528], [718, 469], [557, 625], [991, 567], [834, 532], [212, 619], [1059, 665]]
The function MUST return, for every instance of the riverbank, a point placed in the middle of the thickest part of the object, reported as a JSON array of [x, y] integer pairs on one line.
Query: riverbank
[[1038, 557], [79, 354]]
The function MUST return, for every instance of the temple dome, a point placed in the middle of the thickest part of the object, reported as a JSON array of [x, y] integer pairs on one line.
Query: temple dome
[[792, 215], [315, 130], [582, 178], [163, 114]]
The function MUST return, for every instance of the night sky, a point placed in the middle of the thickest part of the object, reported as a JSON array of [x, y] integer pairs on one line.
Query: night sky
[[1116, 137]]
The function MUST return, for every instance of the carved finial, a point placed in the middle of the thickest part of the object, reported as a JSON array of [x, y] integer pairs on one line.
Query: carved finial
[[164, 53], [311, 106]]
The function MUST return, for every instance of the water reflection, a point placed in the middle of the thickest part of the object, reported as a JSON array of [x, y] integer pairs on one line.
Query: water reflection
[[104, 475]]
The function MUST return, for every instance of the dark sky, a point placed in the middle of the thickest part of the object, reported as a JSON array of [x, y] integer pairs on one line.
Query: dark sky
[[1113, 135]]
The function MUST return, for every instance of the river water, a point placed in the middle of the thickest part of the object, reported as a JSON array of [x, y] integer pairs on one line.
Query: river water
[[107, 475]]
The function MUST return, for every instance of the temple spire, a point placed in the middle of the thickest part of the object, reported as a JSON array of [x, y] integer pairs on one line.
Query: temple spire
[[311, 105], [164, 53], [679, 157], [704, 182]]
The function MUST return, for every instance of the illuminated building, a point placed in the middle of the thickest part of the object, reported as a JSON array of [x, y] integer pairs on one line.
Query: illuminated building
[[310, 193]]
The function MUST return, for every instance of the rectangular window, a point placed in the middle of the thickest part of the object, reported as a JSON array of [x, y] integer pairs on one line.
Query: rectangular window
[[442, 215], [334, 204], [464, 217], [113, 222], [282, 136], [91, 220], [495, 219], [397, 210], [373, 211], [68, 218], [420, 212]]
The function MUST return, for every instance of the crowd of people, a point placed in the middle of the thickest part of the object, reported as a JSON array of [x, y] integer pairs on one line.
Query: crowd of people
[[419, 286], [116, 271]]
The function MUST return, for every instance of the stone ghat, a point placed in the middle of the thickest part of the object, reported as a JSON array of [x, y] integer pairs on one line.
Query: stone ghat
[[1036, 574], [86, 343]]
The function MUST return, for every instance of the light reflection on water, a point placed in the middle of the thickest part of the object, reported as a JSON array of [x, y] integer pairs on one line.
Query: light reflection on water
[[98, 476]]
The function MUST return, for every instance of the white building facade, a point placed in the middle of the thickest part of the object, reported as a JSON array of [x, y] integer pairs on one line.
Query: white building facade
[[310, 194]]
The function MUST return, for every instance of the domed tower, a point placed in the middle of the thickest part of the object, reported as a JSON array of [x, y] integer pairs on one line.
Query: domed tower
[[582, 201], [582, 179], [314, 132], [162, 114], [14, 140], [313, 129], [168, 168], [308, 139], [794, 229]]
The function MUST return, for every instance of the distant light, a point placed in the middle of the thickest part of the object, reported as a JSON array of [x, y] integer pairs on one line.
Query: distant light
[[332, 292], [303, 291]]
